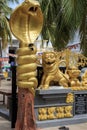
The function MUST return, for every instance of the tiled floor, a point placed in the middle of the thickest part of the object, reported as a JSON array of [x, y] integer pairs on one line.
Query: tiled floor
[[5, 125]]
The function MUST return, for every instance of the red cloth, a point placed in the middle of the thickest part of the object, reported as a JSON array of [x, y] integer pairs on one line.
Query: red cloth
[[25, 114]]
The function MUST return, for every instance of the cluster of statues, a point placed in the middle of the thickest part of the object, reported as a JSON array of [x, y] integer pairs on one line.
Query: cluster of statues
[[52, 72]]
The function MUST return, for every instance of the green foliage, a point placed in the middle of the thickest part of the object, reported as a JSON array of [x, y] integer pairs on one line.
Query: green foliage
[[61, 19], [55, 27], [5, 33]]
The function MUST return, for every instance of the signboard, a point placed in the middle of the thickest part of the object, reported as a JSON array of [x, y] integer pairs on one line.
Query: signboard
[[4, 59], [80, 104]]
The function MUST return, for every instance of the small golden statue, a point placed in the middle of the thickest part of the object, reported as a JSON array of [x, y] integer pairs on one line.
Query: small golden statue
[[84, 79], [73, 73], [51, 70]]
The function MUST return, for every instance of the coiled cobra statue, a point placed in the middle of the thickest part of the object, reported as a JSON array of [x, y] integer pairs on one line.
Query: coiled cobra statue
[[26, 23]]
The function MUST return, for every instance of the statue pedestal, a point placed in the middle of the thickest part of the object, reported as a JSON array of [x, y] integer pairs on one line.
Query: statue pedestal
[[51, 108], [51, 97]]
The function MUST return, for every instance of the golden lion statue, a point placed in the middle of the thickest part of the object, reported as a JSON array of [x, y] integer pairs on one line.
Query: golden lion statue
[[51, 71], [73, 73]]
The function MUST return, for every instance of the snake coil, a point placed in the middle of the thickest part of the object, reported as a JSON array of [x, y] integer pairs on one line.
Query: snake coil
[[26, 24]]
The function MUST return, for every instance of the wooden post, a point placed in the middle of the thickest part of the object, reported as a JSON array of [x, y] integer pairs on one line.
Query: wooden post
[[13, 98]]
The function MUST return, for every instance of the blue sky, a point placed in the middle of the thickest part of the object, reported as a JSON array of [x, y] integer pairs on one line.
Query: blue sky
[[14, 5]]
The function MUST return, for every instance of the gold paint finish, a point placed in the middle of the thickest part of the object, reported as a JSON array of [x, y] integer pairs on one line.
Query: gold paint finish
[[68, 111], [52, 113], [73, 73], [26, 24], [60, 112], [84, 79], [70, 98], [51, 70], [42, 114], [26, 21]]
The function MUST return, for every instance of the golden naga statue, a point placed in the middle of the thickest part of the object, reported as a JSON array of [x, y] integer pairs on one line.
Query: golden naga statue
[[26, 23], [51, 70]]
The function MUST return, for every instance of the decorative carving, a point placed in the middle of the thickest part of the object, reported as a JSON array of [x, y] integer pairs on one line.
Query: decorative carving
[[70, 98], [68, 111], [42, 114], [60, 112], [79, 88], [82, 60], [73, 58], [51, 113]]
